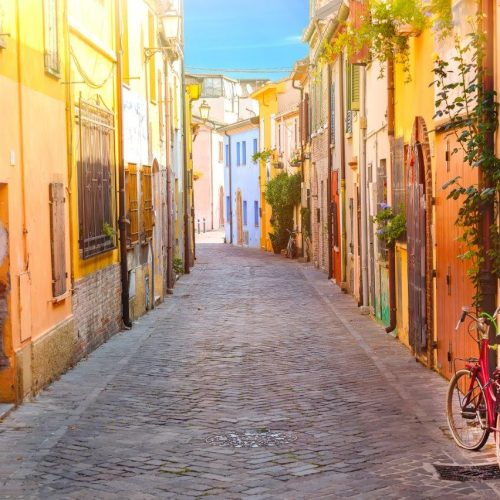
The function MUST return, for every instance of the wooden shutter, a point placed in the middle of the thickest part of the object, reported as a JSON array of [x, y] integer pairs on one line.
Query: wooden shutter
[[57, 238], [147, 202], [304, 124], [354, 87], [133, 206]]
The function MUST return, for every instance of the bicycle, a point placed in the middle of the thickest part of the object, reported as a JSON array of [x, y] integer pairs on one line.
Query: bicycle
[[291, 248], [471, 405]]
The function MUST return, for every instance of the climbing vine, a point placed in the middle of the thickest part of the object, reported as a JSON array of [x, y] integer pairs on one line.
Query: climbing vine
[[282, 193], [391, 226], [385, 29], [471, 115]]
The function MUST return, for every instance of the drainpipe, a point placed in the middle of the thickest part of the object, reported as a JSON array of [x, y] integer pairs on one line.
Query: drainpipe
[[343, 249], [168, 166], [364, 209], [301, 89], [487, 280], [329, 181], [185, 182], [121, 174], [230, 190], [392, 252]]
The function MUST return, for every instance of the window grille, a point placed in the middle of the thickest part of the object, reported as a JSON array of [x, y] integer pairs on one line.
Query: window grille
[[95, 176], [244, 153], [132, 206], [147, 202], [51, 38]]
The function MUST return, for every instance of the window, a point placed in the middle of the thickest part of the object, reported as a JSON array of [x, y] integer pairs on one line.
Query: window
[[353, 87], [244, 153], [152, 68], [95, 179], [147, 202], [211, 87], [221, 151], [238, 153], [57, 238], [254, 146], [51, 39], [245, 213], [256, 213], [227, 155], [3, 41], [132, 208], [228, 208], [332, 113]]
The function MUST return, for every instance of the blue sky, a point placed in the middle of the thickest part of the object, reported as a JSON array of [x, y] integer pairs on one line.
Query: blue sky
[[245, 34]]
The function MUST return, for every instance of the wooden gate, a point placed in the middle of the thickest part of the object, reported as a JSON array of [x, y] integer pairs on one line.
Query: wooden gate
[[453, 288], [416, 247]]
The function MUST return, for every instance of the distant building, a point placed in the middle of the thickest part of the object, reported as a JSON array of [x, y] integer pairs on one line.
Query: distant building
[[226, 101], [241, 183]]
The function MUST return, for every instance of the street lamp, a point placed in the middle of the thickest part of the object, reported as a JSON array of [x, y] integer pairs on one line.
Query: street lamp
[[204, 110], [171, 22]]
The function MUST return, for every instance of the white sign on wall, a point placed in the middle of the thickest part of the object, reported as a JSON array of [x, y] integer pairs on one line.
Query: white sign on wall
[[135, 128]]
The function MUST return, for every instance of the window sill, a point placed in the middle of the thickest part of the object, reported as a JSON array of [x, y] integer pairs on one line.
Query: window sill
[[52, 73]]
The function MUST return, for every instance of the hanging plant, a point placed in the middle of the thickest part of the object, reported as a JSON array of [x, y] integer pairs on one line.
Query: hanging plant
[[391, 227], [263, 155], [386, 27]]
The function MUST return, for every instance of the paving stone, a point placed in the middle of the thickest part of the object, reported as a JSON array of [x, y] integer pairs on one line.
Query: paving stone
[[249, 342]]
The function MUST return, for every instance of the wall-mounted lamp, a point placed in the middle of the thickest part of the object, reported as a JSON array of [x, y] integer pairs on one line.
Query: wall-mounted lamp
[[204, 110]]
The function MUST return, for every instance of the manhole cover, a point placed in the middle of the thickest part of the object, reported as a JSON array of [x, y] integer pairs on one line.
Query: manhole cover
[[260, 438], [468, 472]]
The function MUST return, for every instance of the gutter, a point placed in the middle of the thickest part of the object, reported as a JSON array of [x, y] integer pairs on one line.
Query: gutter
[[392, 252], [121, 176]]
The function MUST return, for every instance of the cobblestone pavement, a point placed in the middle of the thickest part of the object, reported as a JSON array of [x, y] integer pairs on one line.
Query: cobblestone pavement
[[249, 343]]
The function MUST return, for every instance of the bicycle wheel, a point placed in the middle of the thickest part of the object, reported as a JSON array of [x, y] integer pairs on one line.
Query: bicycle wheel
[[466, 411]]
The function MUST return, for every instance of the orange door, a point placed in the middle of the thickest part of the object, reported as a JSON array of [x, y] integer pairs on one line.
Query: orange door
[[453, 288]]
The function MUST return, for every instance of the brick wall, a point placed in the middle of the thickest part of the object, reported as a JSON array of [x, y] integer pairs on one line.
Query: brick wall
[[97, 309], [319, 157]]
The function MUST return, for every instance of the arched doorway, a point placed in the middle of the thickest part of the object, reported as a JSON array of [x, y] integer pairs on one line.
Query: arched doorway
[[239, 218], [419, 246]]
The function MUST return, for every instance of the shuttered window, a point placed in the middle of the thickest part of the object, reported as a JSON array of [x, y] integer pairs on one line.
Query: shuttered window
[[57, 238], [51, 38], [353, 87], [147, 202], [304, 119], [96, 181], [332, 114], [132, 206]]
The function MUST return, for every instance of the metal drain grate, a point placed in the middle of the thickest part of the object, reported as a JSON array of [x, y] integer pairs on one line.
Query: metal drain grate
[[260, 438], [468, 472]]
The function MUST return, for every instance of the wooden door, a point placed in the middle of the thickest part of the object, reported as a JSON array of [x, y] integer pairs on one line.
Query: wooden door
[[335, 207], [221, 206], [453, 288], [416, 247]]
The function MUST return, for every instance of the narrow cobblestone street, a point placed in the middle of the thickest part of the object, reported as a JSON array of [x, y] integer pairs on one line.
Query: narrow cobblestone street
[[249, 342]]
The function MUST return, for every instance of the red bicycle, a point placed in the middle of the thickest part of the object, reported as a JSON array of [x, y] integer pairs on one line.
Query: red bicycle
[[471, 408]]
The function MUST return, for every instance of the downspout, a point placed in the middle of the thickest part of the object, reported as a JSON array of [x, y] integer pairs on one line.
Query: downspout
[[121, 173], [392, 252], [343, 249], [329, 181], [487, 280], [185, 174], [301, 90], [364, 212], [168, 166], [230, 189], [211, 145]]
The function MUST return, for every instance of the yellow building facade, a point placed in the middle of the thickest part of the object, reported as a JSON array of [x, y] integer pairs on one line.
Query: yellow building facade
[[267, 97]]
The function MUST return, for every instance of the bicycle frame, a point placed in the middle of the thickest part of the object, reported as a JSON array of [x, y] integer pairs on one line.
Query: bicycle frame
[[480, 371]]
